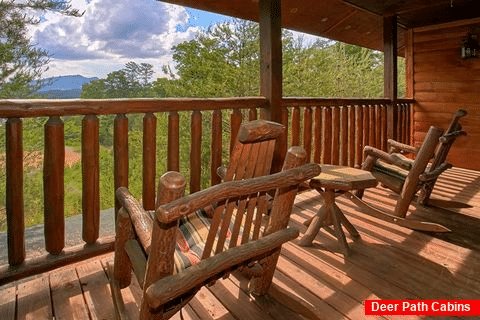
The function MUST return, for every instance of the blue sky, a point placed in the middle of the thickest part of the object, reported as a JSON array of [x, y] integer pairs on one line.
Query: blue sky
[[113, 32]]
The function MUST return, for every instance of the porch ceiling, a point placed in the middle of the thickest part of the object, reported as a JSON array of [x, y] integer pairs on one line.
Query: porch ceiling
[[352, 21]]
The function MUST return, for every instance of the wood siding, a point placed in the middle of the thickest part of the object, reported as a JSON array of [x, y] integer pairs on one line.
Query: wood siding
[[443, 83]]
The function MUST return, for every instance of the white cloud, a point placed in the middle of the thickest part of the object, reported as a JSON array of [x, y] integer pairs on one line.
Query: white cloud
[[112, 32]]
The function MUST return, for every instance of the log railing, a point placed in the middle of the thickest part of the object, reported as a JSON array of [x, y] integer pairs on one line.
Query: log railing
[[335, 131], [331, 130]]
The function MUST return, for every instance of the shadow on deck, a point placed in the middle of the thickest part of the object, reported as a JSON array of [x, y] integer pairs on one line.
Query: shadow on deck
[[388, 262]]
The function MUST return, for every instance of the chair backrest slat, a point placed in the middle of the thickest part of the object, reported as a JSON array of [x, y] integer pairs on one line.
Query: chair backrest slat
[[251, 156]]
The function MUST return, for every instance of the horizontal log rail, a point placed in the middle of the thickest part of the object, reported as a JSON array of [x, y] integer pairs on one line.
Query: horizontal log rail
[[335, 131], [331, 130]]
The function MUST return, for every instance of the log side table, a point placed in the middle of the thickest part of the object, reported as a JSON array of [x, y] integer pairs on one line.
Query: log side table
[[332, 182]]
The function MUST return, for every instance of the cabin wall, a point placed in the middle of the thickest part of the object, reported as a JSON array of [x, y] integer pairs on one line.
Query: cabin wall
[[442, 83]]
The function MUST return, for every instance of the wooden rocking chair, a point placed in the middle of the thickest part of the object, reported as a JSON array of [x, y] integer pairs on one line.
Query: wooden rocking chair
[[191, 241], [438, 164], [404, 177]]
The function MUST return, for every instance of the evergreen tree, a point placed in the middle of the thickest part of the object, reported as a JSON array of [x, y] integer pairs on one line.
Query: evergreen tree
[[20, 62]]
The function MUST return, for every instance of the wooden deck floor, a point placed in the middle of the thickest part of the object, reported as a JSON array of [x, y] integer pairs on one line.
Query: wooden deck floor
[[389, 262]]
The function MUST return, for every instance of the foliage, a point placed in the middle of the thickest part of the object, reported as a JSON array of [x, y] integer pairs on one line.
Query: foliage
[[131, 82], [220, 61], [20, 62]]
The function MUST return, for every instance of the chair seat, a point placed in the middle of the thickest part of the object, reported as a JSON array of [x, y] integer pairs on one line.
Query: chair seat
[[193, 233], [191, 238], [390, 175]]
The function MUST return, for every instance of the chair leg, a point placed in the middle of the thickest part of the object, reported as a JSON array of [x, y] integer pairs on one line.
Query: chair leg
[[259, 285], [122, 269]]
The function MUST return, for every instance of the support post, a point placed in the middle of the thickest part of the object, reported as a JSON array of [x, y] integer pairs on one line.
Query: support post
[[390, 72], [271, 70]]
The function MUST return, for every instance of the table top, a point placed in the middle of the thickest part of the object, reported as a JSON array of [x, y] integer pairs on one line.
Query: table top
[[343, 178]]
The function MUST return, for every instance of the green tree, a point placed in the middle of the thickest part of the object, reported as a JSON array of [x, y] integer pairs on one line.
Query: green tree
[[131, 82], [20, 62]]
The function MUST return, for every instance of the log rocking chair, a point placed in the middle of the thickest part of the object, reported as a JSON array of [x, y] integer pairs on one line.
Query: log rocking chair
[[191, 241], [407, 177]]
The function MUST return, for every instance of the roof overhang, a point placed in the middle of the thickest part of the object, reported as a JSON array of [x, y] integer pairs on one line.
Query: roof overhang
[[358, 22]]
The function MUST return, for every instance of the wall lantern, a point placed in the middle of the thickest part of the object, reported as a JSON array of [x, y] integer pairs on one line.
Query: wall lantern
[[470, 47]]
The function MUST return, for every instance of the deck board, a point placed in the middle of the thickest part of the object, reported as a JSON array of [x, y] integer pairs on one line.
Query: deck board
[[317, 282]]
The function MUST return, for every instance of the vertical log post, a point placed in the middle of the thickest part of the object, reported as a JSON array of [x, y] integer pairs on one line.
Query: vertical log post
[[390, 71], [358, 135], [378, 127], [317, 134], [307, 131], [335, 135], [149, 160], [295, 126], [216, 156], [367, 126], [120, 153], [344, 136], [196, 151], [14, 192], [351, 136], [384, 129], [270, 21], [160, 261], [90, 178], [173, 161], [371, 134], [327, 135], [53, 186]]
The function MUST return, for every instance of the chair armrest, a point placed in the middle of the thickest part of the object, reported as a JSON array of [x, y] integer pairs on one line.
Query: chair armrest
[[142, 221], [452, 136], [435, 173], [213, 267], [387, 157], [231, 189], [395, 146]]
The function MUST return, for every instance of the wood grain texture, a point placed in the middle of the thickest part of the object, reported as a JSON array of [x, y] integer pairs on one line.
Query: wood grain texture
[[39, 308], [442, 83], [163, 290], [46, 263], [173, 148], [65, 107], [67, 296], [149, 160], [216, 147], [53, 185], [90, 179], [195, 151], [317, 134], [14, 191], [231, 189], [120, 154]]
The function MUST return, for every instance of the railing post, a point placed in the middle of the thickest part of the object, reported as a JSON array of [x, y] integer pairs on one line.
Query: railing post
[[14, 192], [120, 154], [149, 160], [307, 131], [317, 134], [53, 185], [216, 156], [196, 151], [90, 178], [327, 135], [173, 160]]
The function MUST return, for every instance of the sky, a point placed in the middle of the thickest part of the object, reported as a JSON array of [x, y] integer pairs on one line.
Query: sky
[[113, 32]]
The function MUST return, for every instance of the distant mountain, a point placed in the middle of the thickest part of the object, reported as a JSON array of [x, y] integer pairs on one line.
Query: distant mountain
[[64, 87]]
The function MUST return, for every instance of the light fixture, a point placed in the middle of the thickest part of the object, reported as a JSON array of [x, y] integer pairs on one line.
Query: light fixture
[[470, 47]]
